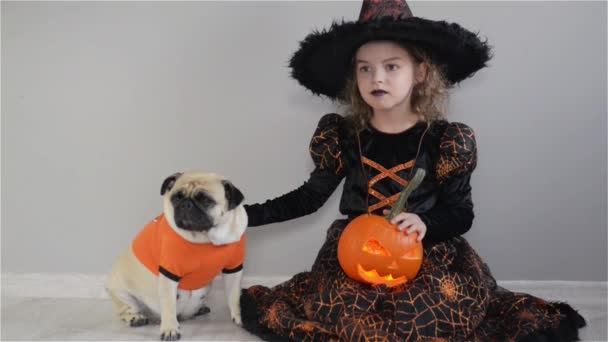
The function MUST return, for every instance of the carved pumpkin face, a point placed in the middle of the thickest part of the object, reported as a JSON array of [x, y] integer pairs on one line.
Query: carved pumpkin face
[[373, 251]]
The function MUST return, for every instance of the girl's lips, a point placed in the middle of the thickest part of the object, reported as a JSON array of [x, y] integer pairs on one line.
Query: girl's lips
[[379, 92]]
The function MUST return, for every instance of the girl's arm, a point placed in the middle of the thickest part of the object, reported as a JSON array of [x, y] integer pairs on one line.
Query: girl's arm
[[302, 201], [453, 214], [328, 173]]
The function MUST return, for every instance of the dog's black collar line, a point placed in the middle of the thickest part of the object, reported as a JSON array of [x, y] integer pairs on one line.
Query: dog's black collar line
[[234, 270], [168, 274]]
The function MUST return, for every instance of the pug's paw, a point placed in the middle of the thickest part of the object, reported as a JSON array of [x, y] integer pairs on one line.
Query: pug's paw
[[236, 317], [170, 335], [203, 311], [134, 319], [169, 332]]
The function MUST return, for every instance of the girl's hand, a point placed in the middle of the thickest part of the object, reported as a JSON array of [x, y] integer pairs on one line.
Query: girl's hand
[[409, 221]]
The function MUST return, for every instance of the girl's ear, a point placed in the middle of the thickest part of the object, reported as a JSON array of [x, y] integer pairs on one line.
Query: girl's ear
[[421, 71]]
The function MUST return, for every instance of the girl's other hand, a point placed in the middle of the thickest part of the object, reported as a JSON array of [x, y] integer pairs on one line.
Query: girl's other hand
[[409, 222]]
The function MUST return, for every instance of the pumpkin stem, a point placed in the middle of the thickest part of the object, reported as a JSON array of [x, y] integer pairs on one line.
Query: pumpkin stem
[[411, 186]]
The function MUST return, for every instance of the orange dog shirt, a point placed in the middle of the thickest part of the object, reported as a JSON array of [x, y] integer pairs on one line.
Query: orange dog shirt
[[194, 265]]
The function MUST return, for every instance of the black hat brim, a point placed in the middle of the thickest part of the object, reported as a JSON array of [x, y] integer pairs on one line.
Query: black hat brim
[[323, 61]]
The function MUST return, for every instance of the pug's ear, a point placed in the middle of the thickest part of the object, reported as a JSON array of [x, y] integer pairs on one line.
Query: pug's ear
[[234, 197], [169, 182]]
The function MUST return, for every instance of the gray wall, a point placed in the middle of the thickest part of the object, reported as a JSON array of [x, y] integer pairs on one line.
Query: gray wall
[[101, 101]]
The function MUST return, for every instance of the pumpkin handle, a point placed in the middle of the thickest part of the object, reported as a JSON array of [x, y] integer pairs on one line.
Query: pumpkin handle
[[411, 186]]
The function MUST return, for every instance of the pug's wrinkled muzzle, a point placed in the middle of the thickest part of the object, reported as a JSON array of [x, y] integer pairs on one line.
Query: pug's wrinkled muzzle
[[189, 216]]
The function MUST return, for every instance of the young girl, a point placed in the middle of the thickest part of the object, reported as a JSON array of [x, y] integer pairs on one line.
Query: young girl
[[393, 71]]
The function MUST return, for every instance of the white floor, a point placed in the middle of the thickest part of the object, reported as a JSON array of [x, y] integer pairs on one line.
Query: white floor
[[32, 310]]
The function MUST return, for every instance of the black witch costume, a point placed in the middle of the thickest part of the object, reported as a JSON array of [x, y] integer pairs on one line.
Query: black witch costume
[[454, 297]]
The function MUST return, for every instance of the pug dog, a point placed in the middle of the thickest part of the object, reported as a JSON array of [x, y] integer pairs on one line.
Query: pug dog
[[168, 269]]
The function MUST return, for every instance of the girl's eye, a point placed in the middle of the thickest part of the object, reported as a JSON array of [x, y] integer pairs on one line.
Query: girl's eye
[[392, 67], [364, 69]]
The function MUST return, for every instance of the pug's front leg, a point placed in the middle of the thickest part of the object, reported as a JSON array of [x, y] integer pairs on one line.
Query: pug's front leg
[[232, 286], [167, 291]]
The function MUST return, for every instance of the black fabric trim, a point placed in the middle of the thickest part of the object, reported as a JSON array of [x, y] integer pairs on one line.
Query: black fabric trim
[[250, 316], [566, 331], [234, 270], [168, 274]]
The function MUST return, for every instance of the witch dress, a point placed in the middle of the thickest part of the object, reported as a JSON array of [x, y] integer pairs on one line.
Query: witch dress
[[454, 297]]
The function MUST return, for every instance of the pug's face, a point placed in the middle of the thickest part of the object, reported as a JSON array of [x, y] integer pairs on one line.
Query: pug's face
[[198, 201]]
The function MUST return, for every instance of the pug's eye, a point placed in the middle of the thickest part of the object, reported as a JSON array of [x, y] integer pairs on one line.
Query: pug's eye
[[204, 199], [178, 196]]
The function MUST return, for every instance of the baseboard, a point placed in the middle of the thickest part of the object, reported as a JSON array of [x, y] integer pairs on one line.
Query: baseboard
[[82, 285]]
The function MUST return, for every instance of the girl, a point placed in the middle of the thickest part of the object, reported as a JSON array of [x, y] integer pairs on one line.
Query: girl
[[393, 71]]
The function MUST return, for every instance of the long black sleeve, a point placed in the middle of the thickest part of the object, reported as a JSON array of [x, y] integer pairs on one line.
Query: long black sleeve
[[302, 201], [453, 213], [326, 153]]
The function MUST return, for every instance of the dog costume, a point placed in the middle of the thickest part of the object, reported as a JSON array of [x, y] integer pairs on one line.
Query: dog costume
[[194, 265]]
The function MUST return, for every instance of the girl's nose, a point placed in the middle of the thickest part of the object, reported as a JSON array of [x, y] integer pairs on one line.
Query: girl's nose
[[378, 76]]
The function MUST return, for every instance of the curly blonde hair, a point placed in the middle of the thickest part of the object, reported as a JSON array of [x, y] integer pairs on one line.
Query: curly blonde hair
[[429, 97]]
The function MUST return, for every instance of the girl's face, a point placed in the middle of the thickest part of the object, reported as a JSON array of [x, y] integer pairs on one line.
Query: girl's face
[[386, 76]]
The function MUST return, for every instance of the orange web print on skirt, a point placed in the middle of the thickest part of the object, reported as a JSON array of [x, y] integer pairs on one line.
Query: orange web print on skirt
[[454, 298], [384, 173]]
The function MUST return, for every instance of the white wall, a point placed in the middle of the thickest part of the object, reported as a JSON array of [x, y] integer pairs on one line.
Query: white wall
[[101, 101]]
